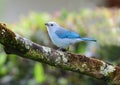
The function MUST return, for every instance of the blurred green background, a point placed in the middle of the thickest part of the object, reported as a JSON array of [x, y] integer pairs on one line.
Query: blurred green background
[[100, 23]]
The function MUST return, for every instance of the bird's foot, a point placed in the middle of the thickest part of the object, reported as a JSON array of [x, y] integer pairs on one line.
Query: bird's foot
[[62, 49]]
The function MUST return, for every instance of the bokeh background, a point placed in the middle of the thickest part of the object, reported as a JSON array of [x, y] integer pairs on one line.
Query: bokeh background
[[99, 19]]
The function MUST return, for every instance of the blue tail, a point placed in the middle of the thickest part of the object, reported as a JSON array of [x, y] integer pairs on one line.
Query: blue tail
[[88, 39]]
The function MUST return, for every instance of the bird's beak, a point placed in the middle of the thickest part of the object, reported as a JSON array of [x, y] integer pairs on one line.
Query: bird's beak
[[46, 24]]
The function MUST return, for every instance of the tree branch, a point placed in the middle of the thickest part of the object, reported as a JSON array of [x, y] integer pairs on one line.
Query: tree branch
[[15, 44]]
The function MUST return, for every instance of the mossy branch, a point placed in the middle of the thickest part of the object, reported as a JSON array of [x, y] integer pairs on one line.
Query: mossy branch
[[15, 44]]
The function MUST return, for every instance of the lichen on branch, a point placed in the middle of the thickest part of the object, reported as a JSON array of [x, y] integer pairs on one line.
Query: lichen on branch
[[16, 44]]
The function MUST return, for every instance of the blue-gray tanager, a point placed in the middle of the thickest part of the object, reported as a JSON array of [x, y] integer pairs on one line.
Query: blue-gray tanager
[[61, 37]]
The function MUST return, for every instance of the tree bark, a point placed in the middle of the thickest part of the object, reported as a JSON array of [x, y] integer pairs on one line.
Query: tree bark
[[16, 44]]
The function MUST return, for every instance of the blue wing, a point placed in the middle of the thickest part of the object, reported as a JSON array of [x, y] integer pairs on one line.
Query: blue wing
[[64, 33]]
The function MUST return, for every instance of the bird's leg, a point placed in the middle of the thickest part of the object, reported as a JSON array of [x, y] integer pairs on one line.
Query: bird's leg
[[62, 49]]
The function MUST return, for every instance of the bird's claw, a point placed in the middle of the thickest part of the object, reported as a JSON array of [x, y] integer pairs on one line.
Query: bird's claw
[[62, 49]]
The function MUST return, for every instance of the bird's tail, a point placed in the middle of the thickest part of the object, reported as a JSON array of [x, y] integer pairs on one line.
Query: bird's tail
[[88, 39]]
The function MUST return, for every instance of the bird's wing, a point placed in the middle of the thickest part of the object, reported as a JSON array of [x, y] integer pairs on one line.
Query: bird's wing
[[64, 33]]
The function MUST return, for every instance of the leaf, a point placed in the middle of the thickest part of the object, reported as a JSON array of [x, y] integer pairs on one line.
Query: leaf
[[3, 70], [3, 58], [39, 73]]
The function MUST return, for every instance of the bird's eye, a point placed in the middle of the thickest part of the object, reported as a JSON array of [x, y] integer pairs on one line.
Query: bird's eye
[[51, 24]]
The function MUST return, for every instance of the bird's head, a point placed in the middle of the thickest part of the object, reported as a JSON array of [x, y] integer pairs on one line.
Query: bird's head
[[51, 25]]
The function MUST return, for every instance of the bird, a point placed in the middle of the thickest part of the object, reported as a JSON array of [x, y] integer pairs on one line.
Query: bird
[[62, 37]]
